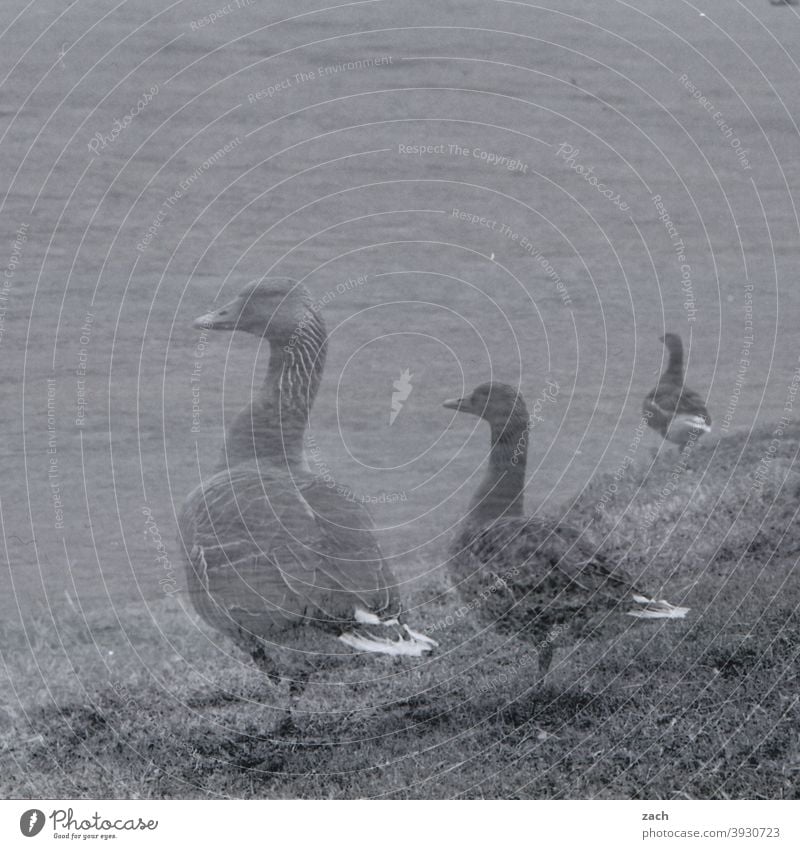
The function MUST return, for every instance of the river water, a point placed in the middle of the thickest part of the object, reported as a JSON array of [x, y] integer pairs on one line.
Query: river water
[[475, 191]]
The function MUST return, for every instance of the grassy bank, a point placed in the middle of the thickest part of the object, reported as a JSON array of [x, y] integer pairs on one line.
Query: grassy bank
[[145, 703]]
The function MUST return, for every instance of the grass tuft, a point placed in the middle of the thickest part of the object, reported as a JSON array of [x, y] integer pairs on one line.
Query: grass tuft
[[706, 707]]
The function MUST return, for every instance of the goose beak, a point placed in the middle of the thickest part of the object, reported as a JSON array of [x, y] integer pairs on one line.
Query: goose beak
[[224, 318], [460, 404]]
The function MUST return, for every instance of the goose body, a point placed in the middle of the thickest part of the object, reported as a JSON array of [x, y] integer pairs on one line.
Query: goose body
[[272, 551], [678, 413], [535, 577], [315, 561]]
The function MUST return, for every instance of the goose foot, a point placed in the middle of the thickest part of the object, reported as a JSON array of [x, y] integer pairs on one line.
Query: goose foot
[[265, 664], [287, 727]]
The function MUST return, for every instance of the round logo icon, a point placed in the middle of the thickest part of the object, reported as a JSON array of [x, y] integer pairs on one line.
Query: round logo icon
[[31, 822]]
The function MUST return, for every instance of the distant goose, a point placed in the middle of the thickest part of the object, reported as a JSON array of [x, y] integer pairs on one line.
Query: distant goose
[[531, 576], [272, 551], [676, 412]]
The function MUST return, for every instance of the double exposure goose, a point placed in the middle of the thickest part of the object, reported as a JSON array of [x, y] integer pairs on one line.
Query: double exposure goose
[[272, 550], [534, 577], [675, 411]]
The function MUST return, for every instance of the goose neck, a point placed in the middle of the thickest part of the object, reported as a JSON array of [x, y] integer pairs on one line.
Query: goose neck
[[271, 427], [675, 365], [295, 367], [502, 490]]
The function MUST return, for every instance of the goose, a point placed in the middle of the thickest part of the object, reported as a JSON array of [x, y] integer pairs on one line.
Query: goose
[[527, 575], [675, 411], [276, 557]]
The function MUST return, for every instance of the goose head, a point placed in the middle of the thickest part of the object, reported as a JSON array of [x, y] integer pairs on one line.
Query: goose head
[[672, 342], [500, 404], [275, 308]]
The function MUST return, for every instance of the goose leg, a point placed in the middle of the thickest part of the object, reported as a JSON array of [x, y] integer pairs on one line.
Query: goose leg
[[297, 686], [287, 726], [264, 663]]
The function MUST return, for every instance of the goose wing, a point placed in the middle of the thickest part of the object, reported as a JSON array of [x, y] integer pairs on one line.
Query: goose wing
[[549, 564], [346, 540], [261, 558], [668, 400]]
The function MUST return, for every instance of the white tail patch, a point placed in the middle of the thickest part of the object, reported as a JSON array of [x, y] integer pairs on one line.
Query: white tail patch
[[364, 617], [385, 645], [656, 609], [407, 642], [683, 425], [695, 423], [424, 638]]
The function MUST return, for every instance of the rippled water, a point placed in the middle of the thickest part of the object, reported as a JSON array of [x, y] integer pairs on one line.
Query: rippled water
[[418, 169]]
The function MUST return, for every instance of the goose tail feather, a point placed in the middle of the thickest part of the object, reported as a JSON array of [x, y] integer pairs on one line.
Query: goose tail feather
[[651, 608], [386, 636]]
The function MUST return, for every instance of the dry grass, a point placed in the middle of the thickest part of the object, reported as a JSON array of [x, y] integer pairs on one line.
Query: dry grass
[[705, 708]]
